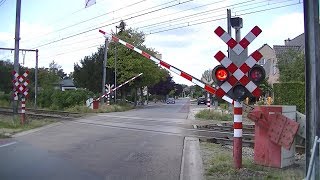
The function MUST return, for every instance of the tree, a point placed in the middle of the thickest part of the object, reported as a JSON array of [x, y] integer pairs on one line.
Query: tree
[[163, 87], [178, 89], [5, 73], [207, 76], [88, 74], [291, 65], [56, 69]]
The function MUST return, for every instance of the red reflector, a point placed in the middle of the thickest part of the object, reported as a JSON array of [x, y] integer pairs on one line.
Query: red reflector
[[221, 74]]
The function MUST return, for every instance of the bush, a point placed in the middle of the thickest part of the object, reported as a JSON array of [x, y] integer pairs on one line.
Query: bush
[[292, 93], [214, 115], [5, 99], [59, 100]]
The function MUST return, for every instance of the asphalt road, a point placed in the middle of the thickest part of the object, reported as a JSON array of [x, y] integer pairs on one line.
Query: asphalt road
[[140, 144]]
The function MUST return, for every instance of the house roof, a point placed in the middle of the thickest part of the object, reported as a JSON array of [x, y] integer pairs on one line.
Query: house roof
[[279, 49], [264, 45], [67, 83]]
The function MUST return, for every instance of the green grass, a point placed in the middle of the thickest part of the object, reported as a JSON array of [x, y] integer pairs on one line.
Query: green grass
[[102, 109], [219, 165], [8, 125], [213, 115]]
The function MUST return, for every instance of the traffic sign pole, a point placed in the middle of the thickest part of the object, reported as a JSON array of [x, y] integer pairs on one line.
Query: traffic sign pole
[[237, 138]]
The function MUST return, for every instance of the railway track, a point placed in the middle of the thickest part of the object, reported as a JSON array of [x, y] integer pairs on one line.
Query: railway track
[[41, 113]]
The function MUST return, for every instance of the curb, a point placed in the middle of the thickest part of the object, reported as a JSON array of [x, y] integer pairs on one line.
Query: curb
[[191, 163]]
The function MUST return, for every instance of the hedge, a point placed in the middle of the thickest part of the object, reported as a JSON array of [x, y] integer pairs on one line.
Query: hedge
[[291, 93], [59, 100]]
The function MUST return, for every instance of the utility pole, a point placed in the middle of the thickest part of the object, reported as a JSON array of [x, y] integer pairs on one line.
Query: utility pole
[[311, 26], [104, 66], [16, 51], [35, 71], [36, 79], [229, 28]]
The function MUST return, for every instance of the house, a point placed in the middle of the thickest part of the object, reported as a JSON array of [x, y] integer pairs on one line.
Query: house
[[296, 44], [67, 84], [267, 62]]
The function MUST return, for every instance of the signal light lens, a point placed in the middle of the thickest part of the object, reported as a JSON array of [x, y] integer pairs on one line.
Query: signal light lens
[[222, 74], [257, 73], [239, 92]]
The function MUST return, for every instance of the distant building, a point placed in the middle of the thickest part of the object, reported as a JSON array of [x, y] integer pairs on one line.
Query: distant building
[[268, 61], [67, 84], [296, 44]]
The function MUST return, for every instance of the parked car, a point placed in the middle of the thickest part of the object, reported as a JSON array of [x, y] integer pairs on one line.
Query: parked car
[[171, 101], [201, 100]]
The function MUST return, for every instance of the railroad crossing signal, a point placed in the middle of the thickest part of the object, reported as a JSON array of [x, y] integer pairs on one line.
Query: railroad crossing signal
[[238, 82], [109, 88], [20, 84]]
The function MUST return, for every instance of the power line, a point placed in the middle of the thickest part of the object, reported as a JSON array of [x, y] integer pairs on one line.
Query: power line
[[188, 21], [86, 31], [84, 21], [67, 52], [2, 2], [204, 22], [194, 24], [196, 14]]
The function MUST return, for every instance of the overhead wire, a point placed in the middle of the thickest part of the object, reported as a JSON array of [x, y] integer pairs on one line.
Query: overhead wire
[[203, 22], [87, 20], [92, 29], [170, 24], [2, 2]]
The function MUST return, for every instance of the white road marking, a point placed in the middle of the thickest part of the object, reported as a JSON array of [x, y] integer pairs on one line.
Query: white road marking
[[8, 144]]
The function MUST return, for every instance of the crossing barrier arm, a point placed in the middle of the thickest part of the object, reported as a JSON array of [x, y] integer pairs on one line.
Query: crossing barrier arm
[[171, 68]]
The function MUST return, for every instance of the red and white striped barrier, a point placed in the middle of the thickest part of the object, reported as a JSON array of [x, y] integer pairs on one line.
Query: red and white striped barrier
[[104, 95], [179, 72]]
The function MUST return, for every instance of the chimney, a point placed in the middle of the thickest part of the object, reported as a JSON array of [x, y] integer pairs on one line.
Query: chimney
[[286, 42]]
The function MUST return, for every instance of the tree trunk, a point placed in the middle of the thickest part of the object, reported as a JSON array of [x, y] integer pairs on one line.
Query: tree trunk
[[135, 96], [141, 95]]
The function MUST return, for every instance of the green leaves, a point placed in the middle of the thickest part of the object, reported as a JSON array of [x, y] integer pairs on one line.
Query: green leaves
[[291, 65]]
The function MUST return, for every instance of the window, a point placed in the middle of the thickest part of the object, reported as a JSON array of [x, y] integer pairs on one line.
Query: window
[[274, 67]]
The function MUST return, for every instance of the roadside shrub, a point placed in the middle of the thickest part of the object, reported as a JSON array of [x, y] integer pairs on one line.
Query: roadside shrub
[[214, 115], [67, 99], [59, 100], [5, 99], [291, 93]]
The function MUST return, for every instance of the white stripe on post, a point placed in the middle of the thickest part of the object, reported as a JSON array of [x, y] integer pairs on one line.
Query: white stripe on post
[[237, 133]]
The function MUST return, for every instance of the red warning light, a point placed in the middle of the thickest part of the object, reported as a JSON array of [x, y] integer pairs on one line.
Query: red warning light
[[222, 74]]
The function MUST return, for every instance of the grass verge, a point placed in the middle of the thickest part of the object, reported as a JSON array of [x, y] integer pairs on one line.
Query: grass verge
[[218, 164], [102, 109], [8, 126], [214, 115]]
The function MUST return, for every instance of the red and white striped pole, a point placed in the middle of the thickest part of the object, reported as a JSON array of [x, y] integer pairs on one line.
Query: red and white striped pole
[[208, 101], [23, 110], [108, 99], [237, 139]]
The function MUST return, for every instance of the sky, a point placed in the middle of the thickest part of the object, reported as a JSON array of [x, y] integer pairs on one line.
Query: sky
[[181, 30]]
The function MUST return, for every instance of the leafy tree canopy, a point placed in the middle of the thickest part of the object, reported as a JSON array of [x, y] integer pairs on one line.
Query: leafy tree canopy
[[291, 65]]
